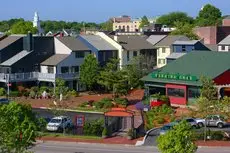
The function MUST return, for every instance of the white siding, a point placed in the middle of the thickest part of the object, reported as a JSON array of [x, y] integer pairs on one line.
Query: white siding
[[44, 69], [162, 56], [70, 61], [60, 48]]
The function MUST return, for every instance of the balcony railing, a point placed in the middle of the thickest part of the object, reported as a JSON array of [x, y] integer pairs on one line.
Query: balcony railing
[[36, 76]]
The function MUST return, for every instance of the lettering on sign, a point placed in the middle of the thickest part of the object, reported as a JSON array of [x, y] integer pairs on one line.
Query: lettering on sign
[[174, 76]]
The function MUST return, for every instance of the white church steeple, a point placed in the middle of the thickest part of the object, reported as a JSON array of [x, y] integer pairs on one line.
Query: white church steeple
[[36, 23]]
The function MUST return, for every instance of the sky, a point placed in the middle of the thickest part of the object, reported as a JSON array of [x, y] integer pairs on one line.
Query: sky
[[101, 10]]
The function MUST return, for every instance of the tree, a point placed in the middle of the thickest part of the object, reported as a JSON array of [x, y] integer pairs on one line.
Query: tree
[[184, 29], [135, 71], [89, 71], [23, 27], [18, 128], [171, 18], [60, 88], [144, 22], [208, 89], [114, 79], [107, 26], [178, 140], [209, 15]]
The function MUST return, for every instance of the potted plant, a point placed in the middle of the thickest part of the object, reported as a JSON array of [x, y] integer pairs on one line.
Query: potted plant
[[130, 134], [105, 133]]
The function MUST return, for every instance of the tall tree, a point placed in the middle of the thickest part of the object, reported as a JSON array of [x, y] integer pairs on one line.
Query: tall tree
[[107, 26], [171, 18], [114, 79], [144, 22], [89, 71], [184, 29], [208, 89], [18, 128], [23, 27], [209, 15], [178, 140]]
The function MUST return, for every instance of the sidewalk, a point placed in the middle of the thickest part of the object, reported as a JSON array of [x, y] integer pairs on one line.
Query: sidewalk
[[112, 140], [213, 143]]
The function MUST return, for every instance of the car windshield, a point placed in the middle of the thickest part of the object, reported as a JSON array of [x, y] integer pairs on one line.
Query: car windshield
[[55, 121]]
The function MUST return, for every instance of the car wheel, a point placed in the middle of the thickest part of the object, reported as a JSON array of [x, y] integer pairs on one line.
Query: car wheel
[[200, 125], [220, 125]]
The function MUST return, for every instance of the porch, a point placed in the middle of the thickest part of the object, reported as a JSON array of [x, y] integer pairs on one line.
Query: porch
[[36, 76]]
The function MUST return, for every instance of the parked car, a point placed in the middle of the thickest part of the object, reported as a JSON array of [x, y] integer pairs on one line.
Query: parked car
[[59, 123], [212, 120], [4, 101], [167, 127]]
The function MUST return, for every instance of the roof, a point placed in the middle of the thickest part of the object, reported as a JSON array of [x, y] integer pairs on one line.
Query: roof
[[8, 40], [134, 42], [153, 39], [185, 42], [175, 55], [212, 47], [169, 40], [73, 43], [225, 41], [98, 42], [210, 64], [227, 17], [55, 59], [16, 58]]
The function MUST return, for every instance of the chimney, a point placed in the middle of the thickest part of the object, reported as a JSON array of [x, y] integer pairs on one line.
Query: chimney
[[115, 38], [29, 42]]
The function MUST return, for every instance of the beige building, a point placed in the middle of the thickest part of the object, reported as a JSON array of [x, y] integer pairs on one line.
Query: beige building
[[132, 26]]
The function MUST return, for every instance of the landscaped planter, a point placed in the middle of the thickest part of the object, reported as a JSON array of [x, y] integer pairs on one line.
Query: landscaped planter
[[156, 103]]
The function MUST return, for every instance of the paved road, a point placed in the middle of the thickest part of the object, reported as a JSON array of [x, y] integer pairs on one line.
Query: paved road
[[60, 147]]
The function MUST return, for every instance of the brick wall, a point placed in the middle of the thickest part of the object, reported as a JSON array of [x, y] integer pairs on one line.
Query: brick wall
[[207, 33], [226, 22]]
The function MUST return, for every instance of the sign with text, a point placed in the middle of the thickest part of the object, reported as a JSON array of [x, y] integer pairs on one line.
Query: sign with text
[[79, 120], [174, 76]]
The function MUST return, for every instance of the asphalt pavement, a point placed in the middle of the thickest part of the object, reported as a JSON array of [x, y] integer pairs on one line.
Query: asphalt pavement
[[64, 147]]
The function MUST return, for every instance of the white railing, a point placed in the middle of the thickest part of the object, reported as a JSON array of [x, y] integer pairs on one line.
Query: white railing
[[33, 76]]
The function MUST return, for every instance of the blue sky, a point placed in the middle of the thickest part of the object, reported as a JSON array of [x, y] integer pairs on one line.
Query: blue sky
[[101, 10]]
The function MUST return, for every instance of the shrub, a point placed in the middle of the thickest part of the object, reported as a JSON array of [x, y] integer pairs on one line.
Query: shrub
[[172, 118], [216, 135], [130, 133], [93, 128], [35, 89], [98, 104], [2, 92], [32, 94], [84, 104], [121, 101], [14, 94], [105, 132], [108, 104], [44, 88], [160, 120], [72, 93]]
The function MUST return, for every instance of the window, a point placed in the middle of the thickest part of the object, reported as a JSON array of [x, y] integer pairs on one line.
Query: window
[[80, 54], [222, 47], [127, 55], [64, 69], [163, 50], [183, 48], [175, 92], [134, 53], [229, 48], [193, 93], [75, 69], [50, 69]]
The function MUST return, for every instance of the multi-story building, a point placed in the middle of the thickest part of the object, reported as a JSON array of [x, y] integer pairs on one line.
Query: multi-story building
[[224, 45]]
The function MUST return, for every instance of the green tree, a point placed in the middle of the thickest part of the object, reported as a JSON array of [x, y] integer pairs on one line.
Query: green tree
[[144, 22], [89, 71], [209, 15], [18, 128], [60, 88], [178, 140], [23, 27], [184, 29], [113, 79], [171, 18], [208, 89], [107, 26], [135, 71]]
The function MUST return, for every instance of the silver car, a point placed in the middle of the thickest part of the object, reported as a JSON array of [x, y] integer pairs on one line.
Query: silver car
[[212, 120]]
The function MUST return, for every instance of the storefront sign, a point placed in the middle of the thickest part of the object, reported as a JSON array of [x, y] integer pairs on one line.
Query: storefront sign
[[174, 76]]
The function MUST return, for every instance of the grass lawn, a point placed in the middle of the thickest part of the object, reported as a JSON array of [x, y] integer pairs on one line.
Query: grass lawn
[[60, 135]]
